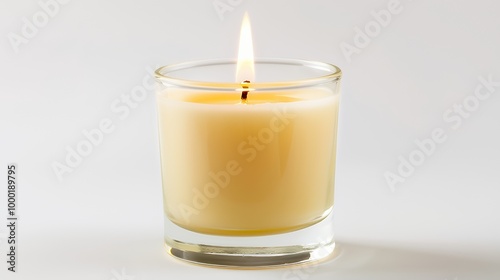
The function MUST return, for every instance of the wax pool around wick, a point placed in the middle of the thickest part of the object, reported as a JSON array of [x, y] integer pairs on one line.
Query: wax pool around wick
[[244, 93]]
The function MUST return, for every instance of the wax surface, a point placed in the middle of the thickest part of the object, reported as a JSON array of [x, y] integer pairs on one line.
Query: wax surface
[[247, 169]]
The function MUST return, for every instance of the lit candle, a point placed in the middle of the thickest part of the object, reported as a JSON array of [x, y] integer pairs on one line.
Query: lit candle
[[247, 158]]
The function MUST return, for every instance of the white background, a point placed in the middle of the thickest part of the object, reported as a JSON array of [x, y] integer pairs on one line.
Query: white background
[[104, 219]]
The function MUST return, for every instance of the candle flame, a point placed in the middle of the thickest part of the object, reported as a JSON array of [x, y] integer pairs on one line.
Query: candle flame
[[245, 66]]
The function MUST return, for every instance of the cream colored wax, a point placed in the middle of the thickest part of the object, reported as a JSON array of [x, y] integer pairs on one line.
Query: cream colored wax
[[247, 169]]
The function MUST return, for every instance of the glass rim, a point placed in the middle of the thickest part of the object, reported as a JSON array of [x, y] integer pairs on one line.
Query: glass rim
[[333, 74]]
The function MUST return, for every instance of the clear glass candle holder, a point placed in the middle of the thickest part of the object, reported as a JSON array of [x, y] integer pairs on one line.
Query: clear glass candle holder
[[248, 167]]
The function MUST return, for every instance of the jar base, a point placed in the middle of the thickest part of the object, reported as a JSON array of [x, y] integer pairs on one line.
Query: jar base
[[309, 244]]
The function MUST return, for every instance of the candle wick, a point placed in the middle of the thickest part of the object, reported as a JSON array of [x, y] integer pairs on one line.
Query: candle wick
[[244, 93]]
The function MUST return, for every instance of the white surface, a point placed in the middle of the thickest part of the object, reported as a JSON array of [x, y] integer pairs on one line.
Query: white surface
[[105, 218]]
